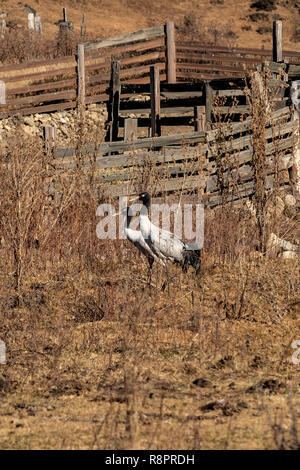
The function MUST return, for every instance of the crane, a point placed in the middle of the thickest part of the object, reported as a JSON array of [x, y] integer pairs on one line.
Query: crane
[[166, 245], [135, 237]]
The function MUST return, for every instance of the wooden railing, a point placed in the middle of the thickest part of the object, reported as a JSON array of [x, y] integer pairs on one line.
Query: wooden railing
[[188, 163], [68, 82], [196, 61]]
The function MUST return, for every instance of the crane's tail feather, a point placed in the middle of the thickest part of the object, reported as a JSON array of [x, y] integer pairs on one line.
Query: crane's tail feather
[[192, 258]]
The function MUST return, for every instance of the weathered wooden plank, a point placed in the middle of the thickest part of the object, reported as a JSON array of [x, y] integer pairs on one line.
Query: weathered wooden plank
[[114, 100], [294, 69], [135, 60], [163, 111], [142, 58], [97, 98], [38, 76], [199, 118], [125, 73], [178, 139], [277, 41], [202, 67], [38, 66], [208, 102], [244, 190], [174, 184], [130, 129], [200, 76], [242, 142], [71, 83], [216, 58], [170, 52], [137, 158], [141, 35], [42, 98], [80, 78], [238, 127], [50, 138], [117, 51], [39, 109], [193, 45], [155, 101], [2, 92]]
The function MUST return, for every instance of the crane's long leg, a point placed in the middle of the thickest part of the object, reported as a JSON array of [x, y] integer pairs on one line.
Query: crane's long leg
[[150, 261], [167, 282]]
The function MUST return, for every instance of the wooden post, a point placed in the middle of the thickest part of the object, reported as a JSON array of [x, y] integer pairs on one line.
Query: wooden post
[[277, 41], [155, 100], [31, 21], [130, 129], [80, 78], [3, 25], [199, 118], [295, 170], [83, 26], [38, 24], [208, 102], [2, 92], [64, 14], [50, 138], [170, 52], [115, 91]]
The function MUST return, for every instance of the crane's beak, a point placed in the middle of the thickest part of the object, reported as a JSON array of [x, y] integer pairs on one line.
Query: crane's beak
[[135, 198]]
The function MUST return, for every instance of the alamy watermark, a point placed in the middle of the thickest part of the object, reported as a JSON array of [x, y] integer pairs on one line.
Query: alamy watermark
[[2, 352], [188, 220]]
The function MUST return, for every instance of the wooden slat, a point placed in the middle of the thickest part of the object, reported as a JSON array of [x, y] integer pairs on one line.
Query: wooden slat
[[174, 110], [242, 142], [97, 98], [126, 160], [42, 98], [174, 184], [42, 87], [217, 58], [140, 35], [38, 76], [102, 62], [18, 69], [178, 139], [182, 45], [125, 73], [194, 67], [117, 51], [239, 127], [199, 76], [40, 109]]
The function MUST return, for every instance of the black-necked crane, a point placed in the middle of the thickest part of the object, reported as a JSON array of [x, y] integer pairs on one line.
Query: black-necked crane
[[166, 245], [136, 237]]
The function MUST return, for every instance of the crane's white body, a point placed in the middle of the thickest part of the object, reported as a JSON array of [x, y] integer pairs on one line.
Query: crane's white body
[[136, 237], [166, 245]]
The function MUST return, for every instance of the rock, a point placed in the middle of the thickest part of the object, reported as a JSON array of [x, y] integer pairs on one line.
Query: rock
[[275, 244], [288, 255], [290, 200], [275, 207], [201, 382]]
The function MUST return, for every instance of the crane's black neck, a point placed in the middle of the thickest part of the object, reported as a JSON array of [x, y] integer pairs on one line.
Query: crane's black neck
[[145, 198]]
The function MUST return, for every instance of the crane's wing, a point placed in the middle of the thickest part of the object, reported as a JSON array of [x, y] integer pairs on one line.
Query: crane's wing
[[166, 243]]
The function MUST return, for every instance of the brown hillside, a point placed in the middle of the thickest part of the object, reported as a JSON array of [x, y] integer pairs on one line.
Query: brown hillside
[[234, 22]]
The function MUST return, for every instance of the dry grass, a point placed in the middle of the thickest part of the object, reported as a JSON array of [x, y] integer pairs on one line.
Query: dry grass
[[98, 359]]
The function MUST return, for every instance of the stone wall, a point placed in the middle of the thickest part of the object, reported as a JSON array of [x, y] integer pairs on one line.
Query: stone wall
[[66, 123]]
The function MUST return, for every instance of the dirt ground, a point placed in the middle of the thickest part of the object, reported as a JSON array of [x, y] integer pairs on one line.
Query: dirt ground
[[189, 370]]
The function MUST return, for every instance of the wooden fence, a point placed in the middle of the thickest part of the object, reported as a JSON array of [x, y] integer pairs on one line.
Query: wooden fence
[[68, 82], [190, 163], [194, 104]]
